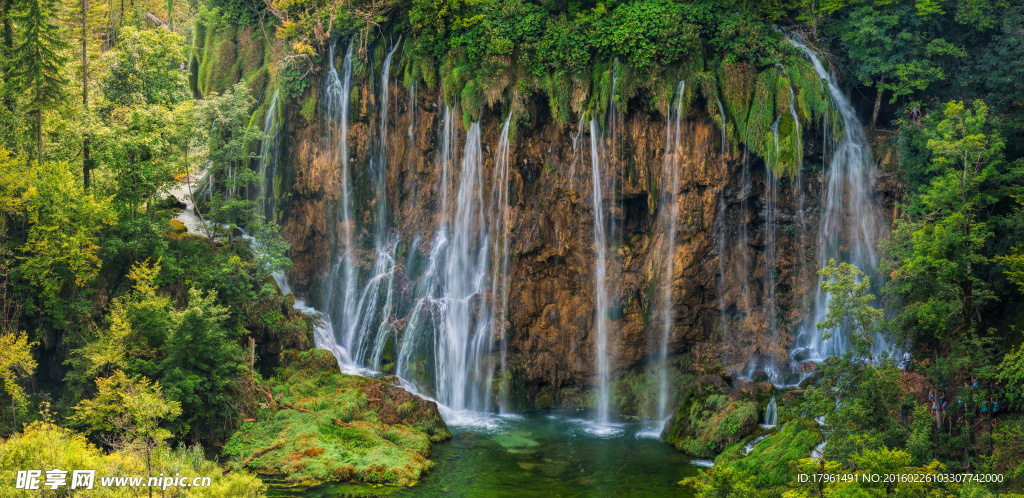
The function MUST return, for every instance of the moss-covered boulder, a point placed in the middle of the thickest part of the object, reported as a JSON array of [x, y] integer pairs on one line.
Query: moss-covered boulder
[[324, 425], [703, 426]]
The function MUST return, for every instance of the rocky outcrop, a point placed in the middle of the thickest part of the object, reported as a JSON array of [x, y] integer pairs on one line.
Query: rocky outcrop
[[710, 418], [322, 425]]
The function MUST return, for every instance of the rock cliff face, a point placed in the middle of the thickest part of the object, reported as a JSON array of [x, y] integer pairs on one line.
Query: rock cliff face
[[719, 302]]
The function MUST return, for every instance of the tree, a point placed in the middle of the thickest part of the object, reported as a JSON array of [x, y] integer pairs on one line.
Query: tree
[[894, 48], [229, 150], [202, 364], [1011, 372], [1014, 262], [849, 301], [15, 361], [138, 324], [722, 482], [127, 412], [37, 63], [939, 246], [144, 69], [85, 18], [62, 249]]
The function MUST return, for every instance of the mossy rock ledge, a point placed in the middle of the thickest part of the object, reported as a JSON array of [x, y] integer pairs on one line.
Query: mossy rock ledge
[[327, 426], [710, 418]]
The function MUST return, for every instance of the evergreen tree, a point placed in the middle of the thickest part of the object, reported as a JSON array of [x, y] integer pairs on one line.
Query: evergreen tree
[[37, 61]]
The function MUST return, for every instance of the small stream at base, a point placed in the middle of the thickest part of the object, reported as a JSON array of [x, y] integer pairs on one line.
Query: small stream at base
[[541, 453]]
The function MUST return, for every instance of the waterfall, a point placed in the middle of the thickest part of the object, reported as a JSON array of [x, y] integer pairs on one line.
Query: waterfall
[[364, 322], [600, 296], [268, 159], [721, 112], [384, 244], [671, 165], [850, 221], [721, 225], [798, 181], [770, 248], [771, 414], [744, 261], [499, 277], [451, 320], [344, 275], [747, 448], [612, 150], [463, 336]]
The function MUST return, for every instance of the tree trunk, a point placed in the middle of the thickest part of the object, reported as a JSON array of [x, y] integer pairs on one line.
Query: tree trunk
[[39, 135], [814, 21], [878, 104], [86, 146], [8, 41]]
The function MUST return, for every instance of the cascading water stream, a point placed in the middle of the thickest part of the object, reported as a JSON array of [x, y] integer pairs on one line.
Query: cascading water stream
[[743, 263], [770, 247], [721, 224], [671, 165], [342, 292], [771, 414], [268, 159], [850, 222], [464, 333], [600, 294], [499, 277], [452, 319], [384, 244]]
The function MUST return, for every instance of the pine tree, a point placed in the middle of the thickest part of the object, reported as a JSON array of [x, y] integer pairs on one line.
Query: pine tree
[[38, 59]]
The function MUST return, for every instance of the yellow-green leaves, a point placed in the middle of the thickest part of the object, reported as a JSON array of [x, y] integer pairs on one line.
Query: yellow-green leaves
[[128, 408], [16, 361], [16, 185], [132, 319], [63, 242]]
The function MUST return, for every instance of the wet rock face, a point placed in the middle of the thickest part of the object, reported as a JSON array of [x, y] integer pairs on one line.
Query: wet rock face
[[718, 298]]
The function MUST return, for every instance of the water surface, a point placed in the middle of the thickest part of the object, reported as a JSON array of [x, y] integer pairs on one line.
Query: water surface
[[537, 454]]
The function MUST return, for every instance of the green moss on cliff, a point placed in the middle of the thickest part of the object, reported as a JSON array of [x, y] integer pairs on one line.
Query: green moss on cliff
[[737, 89], [762, 114], [227, 55], [324, 425]]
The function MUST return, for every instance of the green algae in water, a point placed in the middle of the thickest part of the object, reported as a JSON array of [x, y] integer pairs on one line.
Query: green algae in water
[[536, 454], [516, 441]]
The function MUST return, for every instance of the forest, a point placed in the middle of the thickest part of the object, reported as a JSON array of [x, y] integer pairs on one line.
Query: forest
[[492, 247]]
